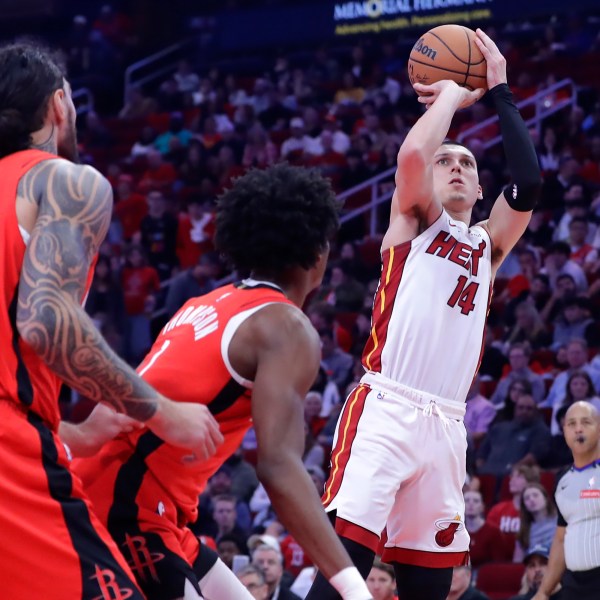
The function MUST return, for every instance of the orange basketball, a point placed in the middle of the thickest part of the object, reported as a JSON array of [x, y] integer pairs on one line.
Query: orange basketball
[[448, 52]]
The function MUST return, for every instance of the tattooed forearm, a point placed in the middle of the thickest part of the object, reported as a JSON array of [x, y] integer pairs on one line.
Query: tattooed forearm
[[73, 218]]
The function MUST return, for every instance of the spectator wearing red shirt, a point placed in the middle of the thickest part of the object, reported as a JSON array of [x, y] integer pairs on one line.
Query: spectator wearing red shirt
[[140, 282], [506, 515], [159, 175], [195, 231], [313, 403], [487, 542], [130, 207]]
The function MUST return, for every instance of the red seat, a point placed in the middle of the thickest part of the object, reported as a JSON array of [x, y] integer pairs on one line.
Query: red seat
[[548, 480], [500, 580]]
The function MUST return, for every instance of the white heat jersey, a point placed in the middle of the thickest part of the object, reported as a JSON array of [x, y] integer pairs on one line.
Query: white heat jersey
[[430, 309]]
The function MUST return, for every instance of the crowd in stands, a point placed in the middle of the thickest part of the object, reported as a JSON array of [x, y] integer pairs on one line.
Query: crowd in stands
[[172, 148]]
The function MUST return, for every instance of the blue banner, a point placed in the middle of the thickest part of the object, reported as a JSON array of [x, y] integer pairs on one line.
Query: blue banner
[[327, 20]]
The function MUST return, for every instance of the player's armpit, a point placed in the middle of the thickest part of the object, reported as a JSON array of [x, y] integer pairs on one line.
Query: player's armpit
[[74, 215]]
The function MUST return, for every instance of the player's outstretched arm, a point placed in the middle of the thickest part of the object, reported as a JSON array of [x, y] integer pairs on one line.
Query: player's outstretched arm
[[75, 205], [288, 356], [414, 179], [511, 213]]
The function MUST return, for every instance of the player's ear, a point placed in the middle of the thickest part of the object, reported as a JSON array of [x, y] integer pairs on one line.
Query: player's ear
[[57, 107], [479, 193]]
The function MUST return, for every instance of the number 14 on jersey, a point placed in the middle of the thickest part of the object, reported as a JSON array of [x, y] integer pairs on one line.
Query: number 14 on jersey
[[464, 295]]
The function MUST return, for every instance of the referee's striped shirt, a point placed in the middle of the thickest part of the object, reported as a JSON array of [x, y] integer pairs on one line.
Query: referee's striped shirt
[[578, 499]]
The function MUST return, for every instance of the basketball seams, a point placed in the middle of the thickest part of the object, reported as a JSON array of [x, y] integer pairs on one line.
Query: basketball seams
[[429, 65], [437, 37], [469, 50]]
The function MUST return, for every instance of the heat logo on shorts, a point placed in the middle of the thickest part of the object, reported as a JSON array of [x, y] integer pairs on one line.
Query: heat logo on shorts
[[447, 528]]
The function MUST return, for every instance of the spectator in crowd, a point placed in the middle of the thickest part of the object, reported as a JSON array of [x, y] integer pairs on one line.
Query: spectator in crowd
[[579, 387], [314, 454], [549, 151], [195, 281], [529, 328], [538, 520], [337, 363], [253, 580], [159, 235], [575, 322], [564, 290], [140, 283], [106, 304], [269, 559], [518, 388], [523, 440], [219, 485], [313, 403], [144, 144], [137, 105], [577, 360], [583, 253], [243, 475], [558, 262], [195, 231], [479, 413], [487, 543], [259, 150], [506, 515], [299, 143], [230, 545], [574, 557], [130, 206], [461, 588], [536, 564], [187, 81], [160, 174], [519, 356], [176, 136], [381, 581], [225, 516]]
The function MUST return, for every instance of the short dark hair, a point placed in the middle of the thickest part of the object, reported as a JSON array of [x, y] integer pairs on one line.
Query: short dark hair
[[30, 74], [276, 219], [451, 142], [560, 248]]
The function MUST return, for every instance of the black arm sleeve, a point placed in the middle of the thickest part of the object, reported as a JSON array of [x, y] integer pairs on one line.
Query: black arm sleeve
[[522, 195]]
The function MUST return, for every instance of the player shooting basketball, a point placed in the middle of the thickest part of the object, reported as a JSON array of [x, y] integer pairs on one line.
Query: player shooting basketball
[[398, 460]]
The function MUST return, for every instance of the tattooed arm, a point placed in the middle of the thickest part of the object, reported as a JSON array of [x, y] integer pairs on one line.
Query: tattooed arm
[[75, 204]]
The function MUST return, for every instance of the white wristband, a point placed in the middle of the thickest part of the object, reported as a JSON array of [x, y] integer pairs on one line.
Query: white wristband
[[350, 585]]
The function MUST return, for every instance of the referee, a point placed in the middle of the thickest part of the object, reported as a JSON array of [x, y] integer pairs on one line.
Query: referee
[[575, 553]]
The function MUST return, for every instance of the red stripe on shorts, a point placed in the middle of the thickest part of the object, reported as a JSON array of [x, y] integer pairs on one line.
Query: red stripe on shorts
[[357, 534], [347, 428], [392, 268]]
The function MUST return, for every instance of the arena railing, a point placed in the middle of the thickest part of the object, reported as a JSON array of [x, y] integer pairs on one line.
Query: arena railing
[[83, 100], [154, 66]]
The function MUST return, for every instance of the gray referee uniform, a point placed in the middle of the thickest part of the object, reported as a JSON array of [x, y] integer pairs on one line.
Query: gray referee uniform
[[578, 499]]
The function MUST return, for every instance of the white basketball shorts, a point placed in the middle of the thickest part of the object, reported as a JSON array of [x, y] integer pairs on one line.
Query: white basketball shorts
[[398, 464]]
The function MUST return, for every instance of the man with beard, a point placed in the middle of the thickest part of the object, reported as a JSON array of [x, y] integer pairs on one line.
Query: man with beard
[[575, 552], [55, 215]]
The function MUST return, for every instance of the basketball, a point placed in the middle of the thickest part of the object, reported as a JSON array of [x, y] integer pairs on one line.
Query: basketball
[[448, 52]]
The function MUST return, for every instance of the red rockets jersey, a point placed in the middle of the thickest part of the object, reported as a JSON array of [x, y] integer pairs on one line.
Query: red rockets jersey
[[25, 380], [189, 362]]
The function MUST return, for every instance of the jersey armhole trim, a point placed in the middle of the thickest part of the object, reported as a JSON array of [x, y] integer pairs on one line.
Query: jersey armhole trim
[[228, 333]]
